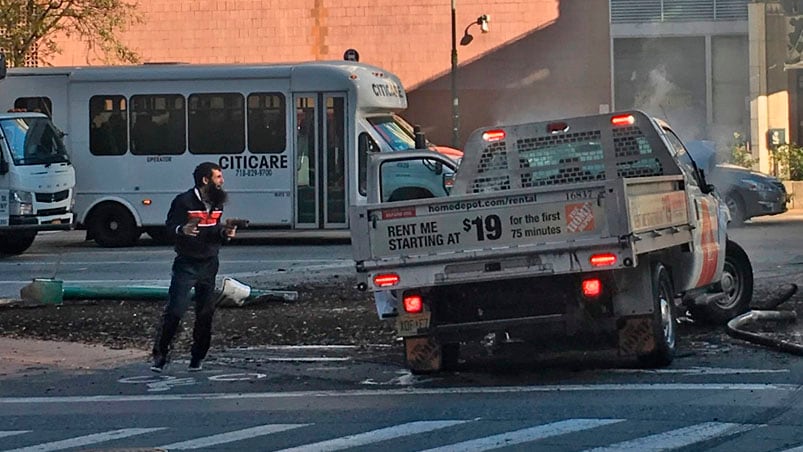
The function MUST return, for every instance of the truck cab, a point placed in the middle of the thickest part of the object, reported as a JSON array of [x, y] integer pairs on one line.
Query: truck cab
[[37, 180]]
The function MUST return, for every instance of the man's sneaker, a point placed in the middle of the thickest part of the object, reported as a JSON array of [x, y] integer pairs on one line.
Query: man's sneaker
[[159, 363], [195, 365]]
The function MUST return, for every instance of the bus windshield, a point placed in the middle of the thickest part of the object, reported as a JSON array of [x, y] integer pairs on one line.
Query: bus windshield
[[34, 141], [395, 131]]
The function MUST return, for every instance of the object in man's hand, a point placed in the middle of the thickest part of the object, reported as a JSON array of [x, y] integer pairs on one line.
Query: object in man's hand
[[238, 222]]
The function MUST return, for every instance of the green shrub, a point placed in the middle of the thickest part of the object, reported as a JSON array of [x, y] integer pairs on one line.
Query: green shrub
[[739, 151], [787, 161]]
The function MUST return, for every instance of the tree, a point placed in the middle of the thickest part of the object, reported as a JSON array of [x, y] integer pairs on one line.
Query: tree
[[35, 25]]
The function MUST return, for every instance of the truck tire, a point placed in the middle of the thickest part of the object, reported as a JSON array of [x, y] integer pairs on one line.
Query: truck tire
[[113, 226], [664, 325], [14, 243], [737, 284]]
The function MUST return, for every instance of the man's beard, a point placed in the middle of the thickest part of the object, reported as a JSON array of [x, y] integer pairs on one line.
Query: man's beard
[[216, 195]]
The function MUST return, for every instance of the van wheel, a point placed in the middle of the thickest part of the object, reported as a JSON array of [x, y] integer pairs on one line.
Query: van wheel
[[14, 243], [113, 226], [737, 284], [664, 325]]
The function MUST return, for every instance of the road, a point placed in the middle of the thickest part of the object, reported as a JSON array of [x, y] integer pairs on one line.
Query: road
[[257, 258], [719, 394]]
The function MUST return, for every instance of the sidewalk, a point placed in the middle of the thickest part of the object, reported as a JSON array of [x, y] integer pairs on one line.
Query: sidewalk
[[20, 357]]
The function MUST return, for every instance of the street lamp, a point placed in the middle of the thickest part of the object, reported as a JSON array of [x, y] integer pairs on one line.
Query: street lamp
[[482, 21]]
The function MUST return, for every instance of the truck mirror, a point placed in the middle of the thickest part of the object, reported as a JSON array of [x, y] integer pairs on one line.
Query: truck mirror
[[705, 187]]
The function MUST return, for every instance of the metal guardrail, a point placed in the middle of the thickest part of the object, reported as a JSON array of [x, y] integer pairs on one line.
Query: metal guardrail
[[638, 11]]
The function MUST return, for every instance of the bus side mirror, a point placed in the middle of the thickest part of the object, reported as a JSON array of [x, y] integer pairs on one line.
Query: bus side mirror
[[3, 167]]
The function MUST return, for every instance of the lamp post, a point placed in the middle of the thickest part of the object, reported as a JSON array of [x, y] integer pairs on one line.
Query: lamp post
[[482, 21]]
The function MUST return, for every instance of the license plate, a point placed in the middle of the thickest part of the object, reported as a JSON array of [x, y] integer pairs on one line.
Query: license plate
[[410, 324]]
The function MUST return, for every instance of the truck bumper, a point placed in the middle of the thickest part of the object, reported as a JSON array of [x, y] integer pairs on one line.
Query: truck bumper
[[63, 222]]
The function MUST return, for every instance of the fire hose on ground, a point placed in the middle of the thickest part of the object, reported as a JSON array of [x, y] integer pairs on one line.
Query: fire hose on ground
[[734, 326]]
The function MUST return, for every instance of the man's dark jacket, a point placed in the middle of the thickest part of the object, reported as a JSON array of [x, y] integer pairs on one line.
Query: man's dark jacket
[[210, 236]]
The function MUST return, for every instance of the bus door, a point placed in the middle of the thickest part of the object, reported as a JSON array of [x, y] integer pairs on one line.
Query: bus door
[[320, 160]]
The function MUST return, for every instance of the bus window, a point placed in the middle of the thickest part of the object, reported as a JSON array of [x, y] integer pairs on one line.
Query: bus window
[[216, 123], [108, 125], [267, 129], [37, 104], [366, 145], [157, 124]]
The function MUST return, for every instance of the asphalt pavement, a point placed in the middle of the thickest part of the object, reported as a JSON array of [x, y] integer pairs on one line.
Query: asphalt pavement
[[22, 356]]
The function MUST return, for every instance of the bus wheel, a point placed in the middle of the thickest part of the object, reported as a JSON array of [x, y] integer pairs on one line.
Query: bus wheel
[[14, 243], [664, 327], [112, 226]]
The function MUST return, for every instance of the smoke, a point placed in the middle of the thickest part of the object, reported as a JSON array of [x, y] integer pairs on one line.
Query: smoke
[[659, 96]]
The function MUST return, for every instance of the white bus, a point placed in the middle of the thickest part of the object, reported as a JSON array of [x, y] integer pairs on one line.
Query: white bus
[[36, 178], [292, 139]]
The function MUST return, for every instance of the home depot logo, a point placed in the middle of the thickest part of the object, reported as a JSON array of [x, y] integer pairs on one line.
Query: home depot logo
[[580, 217]]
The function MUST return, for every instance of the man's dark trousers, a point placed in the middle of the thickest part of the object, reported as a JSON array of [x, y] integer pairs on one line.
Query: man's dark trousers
[[188, 273]]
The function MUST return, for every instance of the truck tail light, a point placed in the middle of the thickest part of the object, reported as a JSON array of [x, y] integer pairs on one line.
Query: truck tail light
[[386, 280], [603, 260], [413, 303], [494, 135], [623, 120], [592, 287]]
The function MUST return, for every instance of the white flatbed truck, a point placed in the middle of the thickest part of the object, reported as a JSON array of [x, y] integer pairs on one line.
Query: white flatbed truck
[[581, 232]]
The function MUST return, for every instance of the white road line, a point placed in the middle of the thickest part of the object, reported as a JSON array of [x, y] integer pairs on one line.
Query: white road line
[[3, 434], [229, 437], [513, 438], [794, 449], [374, 436], [749, 387], [87, 440], [678, 438]]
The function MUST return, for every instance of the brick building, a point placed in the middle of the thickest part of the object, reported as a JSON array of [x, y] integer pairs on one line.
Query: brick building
[[541, 58]]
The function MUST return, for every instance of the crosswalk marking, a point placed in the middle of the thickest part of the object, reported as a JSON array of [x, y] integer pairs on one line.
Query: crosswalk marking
[[228, 437], [374, 436], [87, 440], [678, 438], [525, 435], [3, 434]]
